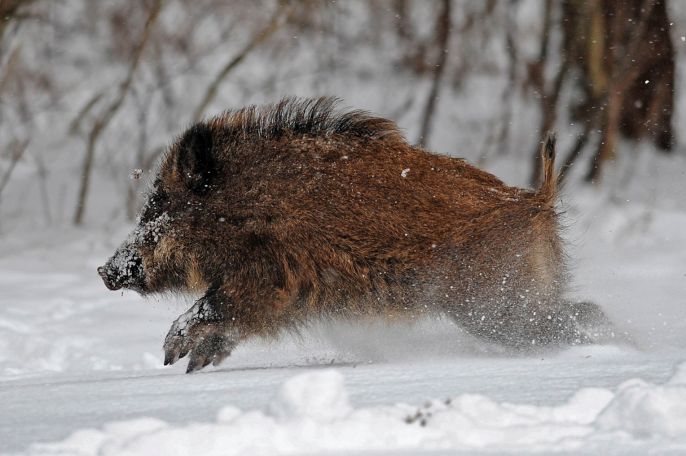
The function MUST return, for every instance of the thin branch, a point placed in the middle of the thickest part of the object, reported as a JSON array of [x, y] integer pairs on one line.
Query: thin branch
[[260, 37], [497, 138], [575, 152], [10, 12], [549, 92], [442, 35], [18, 149], [12, 63], [101, 123], [637, 36], [547, 25], [75, 124], [42, 172]]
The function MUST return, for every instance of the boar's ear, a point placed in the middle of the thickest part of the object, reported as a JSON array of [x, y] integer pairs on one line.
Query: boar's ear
[[194, 162]]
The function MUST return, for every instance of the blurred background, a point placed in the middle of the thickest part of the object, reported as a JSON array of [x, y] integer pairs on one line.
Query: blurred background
[[93, 92]]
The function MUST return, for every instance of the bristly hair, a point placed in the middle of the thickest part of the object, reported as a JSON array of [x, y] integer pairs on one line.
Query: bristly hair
[[303, 116]]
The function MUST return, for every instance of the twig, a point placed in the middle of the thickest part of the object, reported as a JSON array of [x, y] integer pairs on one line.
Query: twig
[[12, 62], [549, 92], [260, 37], [500, 132], [101, 123], [18, 149], [575, 152], [75, 124], [10, 11], [42, 172], [442, 35]]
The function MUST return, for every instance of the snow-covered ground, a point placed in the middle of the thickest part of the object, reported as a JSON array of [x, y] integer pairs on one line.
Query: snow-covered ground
[[81, 367]]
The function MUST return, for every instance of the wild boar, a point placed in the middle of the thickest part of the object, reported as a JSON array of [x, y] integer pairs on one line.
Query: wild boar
[[287, 213]]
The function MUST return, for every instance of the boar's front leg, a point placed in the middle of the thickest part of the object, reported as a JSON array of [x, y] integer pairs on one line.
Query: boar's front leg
[[201, 331]]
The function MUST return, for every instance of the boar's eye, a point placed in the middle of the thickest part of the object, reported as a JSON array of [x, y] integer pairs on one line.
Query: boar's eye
[[194, 161]]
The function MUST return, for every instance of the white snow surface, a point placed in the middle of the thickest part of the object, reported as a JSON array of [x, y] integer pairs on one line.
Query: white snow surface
[[311, 413]]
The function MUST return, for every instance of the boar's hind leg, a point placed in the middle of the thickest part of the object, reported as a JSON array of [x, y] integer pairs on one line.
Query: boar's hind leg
[[516, 324], [202, 332], [593, 326], [524, 326]]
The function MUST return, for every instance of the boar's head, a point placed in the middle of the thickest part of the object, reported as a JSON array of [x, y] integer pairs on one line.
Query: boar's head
[[160, 254]]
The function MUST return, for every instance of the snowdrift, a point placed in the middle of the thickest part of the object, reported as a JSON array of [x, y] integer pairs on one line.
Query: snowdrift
[[311, 413]]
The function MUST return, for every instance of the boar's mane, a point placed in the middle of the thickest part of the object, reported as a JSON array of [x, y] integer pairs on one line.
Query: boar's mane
[[309, 117]]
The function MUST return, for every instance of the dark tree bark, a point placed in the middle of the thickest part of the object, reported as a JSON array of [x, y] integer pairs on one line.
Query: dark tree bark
[[443, 26], [624, 53], [547, 91], [11, 10]]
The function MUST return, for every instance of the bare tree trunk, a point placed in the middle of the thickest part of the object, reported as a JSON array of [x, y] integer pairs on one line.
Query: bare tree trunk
[[403, 25], [498, 135], [10, 10], [608, 141], [42, 172], [548, 92], [625, 57], [512, 59], [624, 70], [443, 27], [103, 121], [18, 149], [574, 153]]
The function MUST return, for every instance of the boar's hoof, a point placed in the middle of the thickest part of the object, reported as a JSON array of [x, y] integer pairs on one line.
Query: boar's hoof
[[212, 349], [205, 341]]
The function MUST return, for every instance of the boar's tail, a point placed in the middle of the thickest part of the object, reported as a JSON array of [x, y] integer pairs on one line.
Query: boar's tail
[[548, 189]]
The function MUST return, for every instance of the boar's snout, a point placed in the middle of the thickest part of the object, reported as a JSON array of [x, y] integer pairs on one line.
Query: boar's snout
[[109, 283], [123, 270]]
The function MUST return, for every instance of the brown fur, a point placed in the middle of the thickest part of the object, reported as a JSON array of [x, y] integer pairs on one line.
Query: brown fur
[[293, 212]]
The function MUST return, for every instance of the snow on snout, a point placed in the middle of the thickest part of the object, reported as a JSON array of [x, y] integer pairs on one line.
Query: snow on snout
[[125, 265]]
